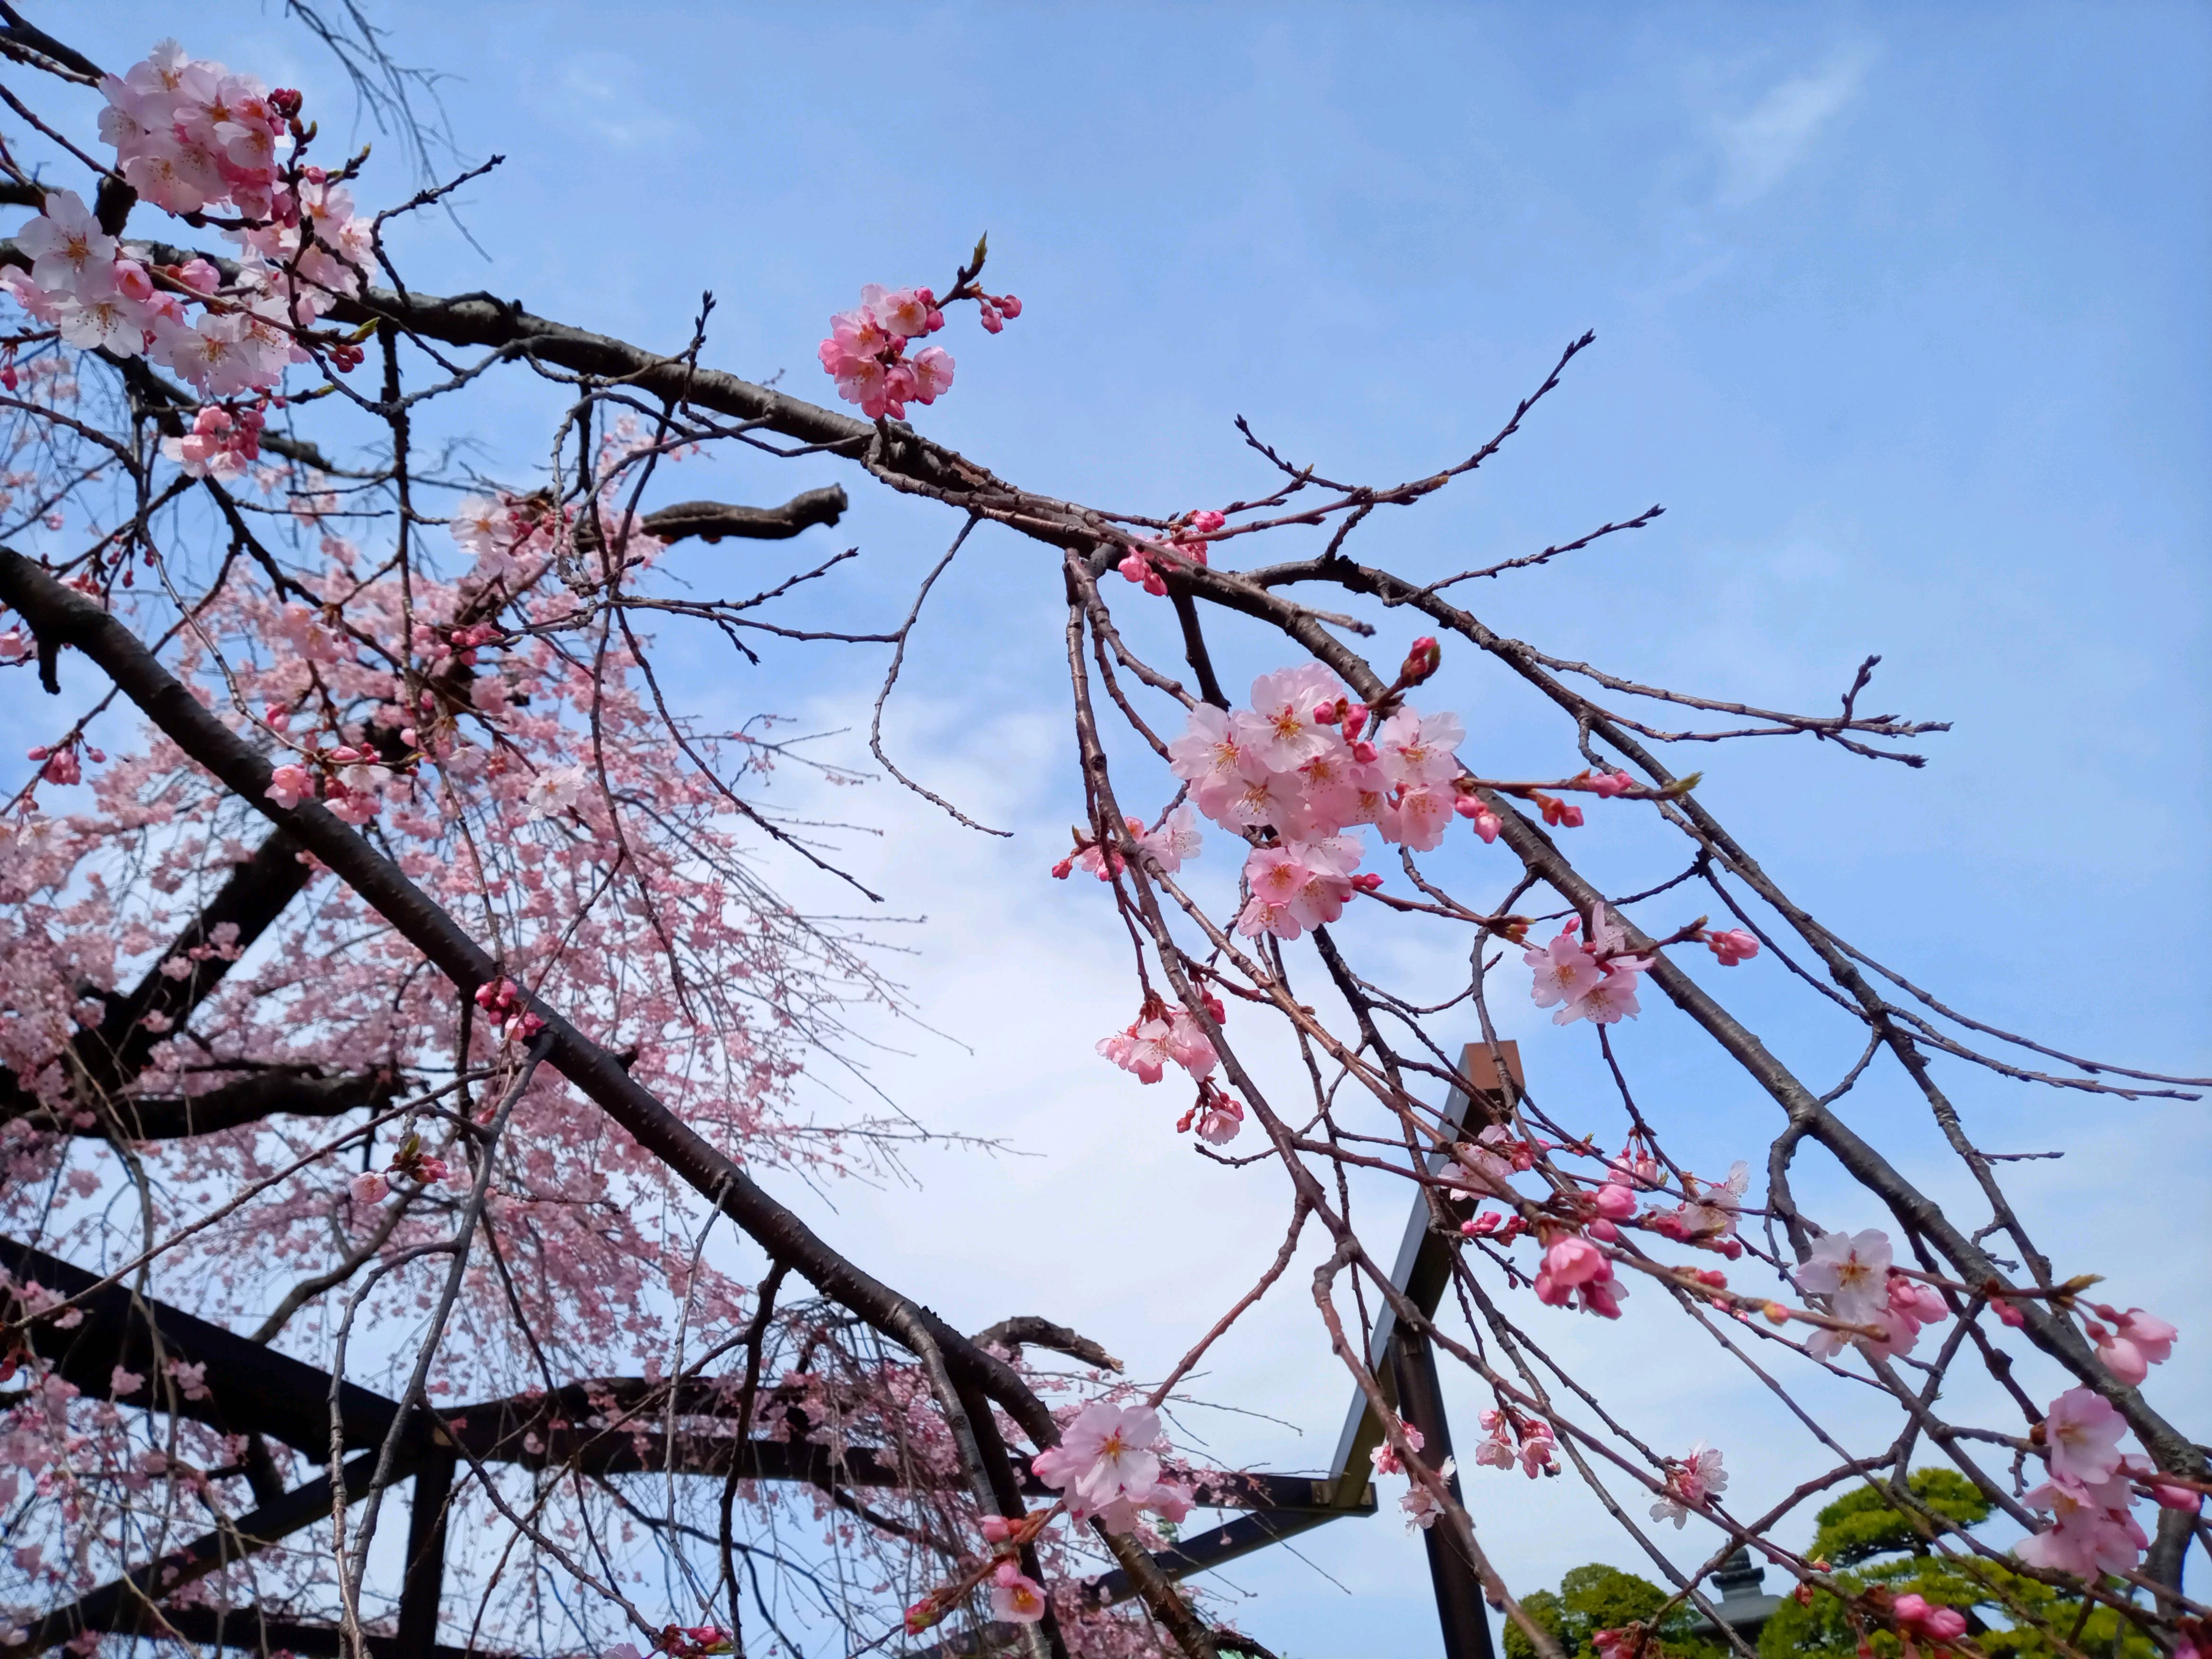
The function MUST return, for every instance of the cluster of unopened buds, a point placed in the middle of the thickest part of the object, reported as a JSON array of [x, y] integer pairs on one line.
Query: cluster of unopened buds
[[191, 138], [1918, 1619], [1513, 1439], [445, 647], [223, 443], [681, 1641], [865, 352], [410, 1161], [59, 763], [1186, 541], [503, 999], [351, 781]]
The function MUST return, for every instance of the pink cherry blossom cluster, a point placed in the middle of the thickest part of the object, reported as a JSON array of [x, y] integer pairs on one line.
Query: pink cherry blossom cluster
[[60, 760], [1302, 761], [1107, 1466], [1574, 1267], [1421, 1506], [1690, 1484], [1596, 979], [2130, 1344], [503, 999], [1919, 1619], [1186, 541], [222, 443], [1385, 1457], [1536, 1450], [1160, 1035], [1852, 1271], [351, 781], [2091, 1491], [190, 137], [865, 352]]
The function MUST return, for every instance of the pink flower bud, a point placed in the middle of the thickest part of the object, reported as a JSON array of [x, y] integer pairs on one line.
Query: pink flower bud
[[1615, 1202], [1736, 945], [1423, 658], [369, 1187], [1010, 305], [1574, 1261]]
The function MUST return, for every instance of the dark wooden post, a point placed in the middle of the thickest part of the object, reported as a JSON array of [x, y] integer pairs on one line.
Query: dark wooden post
[[425, 1583], [1460, 1608]]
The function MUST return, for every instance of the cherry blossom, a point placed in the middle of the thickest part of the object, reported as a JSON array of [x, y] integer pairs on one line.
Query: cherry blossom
[[2082, 1436], [1016, 1598], [1385, 1457], [1422, 1506], [1108, 1464], [2137, 1341], [865, 351], [1852, 1271], [2091, 1533], [1737, 945], [1689, 1484]]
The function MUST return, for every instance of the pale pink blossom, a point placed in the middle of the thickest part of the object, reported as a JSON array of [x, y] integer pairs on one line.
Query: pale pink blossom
[[1420, 1504], [1566, 969], [1016, 1599], [1279, 730], [2082, 1436], [1177, 838], [1416, 752], [1189, 1044], [2138, 1341], [369, 1186], [69, 253], [2091, 1533], [1852, 1271], [1108, 1452], [1689, 1484], [1416, 819], [1221, 1120], [555, 790]]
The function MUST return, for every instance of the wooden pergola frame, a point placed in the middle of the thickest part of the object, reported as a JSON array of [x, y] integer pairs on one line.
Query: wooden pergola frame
[[254, 1390]]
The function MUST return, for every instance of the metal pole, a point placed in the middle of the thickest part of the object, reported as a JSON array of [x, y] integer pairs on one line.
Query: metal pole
[[1460, 1608], [424, 1586]]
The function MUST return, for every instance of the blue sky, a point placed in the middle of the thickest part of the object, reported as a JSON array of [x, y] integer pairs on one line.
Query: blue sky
[[1900, 311]]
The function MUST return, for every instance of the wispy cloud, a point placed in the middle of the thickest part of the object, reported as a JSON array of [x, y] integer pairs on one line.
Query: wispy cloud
[[1758, 148]]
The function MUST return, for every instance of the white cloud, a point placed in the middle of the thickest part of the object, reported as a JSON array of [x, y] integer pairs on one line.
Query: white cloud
[[1757, 149]]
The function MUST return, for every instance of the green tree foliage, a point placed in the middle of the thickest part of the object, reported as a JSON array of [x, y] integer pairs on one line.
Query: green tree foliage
[[1882, 1542], [1593, 1598]]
